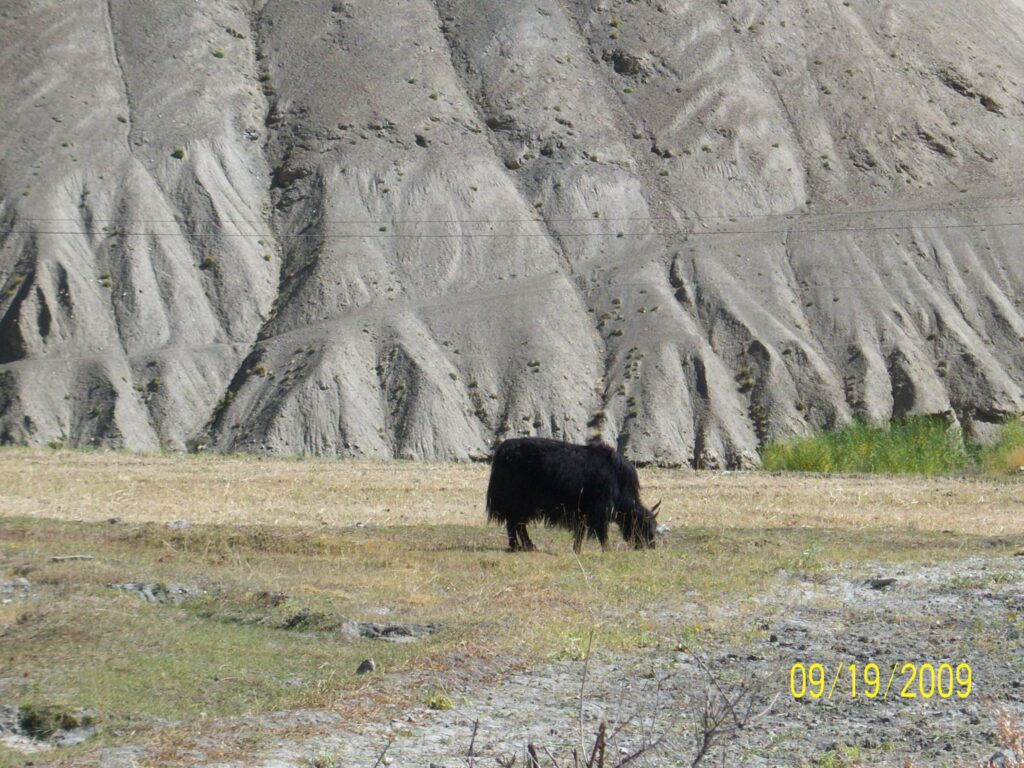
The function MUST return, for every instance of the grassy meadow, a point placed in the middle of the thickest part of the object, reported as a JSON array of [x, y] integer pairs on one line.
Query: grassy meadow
[[392, 542]]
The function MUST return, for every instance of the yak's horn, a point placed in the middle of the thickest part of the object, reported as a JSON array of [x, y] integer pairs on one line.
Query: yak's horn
[[654, 509]]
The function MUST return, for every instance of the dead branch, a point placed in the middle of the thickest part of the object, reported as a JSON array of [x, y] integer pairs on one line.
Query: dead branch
[[583, 686], [551, 757], [599, 746], [726, 710], [532, 760], [470, 755], [380, 757], [718, 686]]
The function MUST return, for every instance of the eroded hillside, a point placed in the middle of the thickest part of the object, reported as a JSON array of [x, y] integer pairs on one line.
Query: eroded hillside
[[410, 228]]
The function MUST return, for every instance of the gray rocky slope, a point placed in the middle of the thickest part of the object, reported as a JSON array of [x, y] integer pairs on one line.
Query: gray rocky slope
[[409, 228]]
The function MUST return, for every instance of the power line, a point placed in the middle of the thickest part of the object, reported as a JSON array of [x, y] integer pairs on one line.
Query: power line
[[484, 235], [691, 216]]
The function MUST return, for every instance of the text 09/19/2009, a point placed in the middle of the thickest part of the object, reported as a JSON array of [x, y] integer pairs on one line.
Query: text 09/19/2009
[[872, 681]]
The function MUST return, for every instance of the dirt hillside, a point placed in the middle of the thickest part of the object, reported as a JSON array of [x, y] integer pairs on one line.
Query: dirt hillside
[[410, 228]]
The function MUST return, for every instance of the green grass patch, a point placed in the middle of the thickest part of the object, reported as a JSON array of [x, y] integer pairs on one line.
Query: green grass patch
[[439, 701], [914, 446]]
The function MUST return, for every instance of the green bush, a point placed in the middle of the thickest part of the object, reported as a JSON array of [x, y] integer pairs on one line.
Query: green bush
[[42, 722], [919, 445]]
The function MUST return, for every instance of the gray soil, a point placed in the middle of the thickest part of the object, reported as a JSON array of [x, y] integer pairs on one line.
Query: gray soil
[[961, 612], [348, 228]]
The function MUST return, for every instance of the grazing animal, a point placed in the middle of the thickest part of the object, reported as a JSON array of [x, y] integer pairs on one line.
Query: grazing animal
[[579, 487]]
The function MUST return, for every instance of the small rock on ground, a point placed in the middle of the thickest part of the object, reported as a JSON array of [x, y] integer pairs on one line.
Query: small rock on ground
[[160, 593], [120, 757]]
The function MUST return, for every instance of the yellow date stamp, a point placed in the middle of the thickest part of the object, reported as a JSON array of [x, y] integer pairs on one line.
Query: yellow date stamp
[[871, 681]]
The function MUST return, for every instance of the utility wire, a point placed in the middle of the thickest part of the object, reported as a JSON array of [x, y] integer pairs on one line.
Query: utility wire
[[688, 216], [483, 235]]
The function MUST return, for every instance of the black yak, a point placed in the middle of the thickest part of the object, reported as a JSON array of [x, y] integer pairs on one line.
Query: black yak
[[579, 487]]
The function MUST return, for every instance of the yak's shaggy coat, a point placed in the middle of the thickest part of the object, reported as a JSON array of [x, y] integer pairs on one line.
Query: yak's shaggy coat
[[579, 487]]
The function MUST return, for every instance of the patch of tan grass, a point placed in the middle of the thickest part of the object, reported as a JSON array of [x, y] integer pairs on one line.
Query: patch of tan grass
[[243, 490], [980, 506]]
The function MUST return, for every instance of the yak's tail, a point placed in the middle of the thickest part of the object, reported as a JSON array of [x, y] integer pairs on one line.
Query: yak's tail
[[495, 512]]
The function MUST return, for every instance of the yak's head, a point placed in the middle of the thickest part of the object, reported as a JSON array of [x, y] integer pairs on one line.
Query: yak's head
[[640, 527]]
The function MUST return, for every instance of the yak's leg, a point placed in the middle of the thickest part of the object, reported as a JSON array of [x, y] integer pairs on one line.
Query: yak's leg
[[524, 539], [601, 529], [577, 542], [511, 527], [579, 524], [518, 538]]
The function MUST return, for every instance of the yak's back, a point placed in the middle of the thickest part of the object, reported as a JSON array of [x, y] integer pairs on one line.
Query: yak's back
[[546, 459], [531, 473]]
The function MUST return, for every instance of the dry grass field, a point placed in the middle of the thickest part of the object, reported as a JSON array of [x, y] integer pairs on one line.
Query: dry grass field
[[283, 552], [94, 486]]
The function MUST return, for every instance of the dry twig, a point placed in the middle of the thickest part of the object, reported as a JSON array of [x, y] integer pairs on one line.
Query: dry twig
[[470, 754], [380, 757]]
